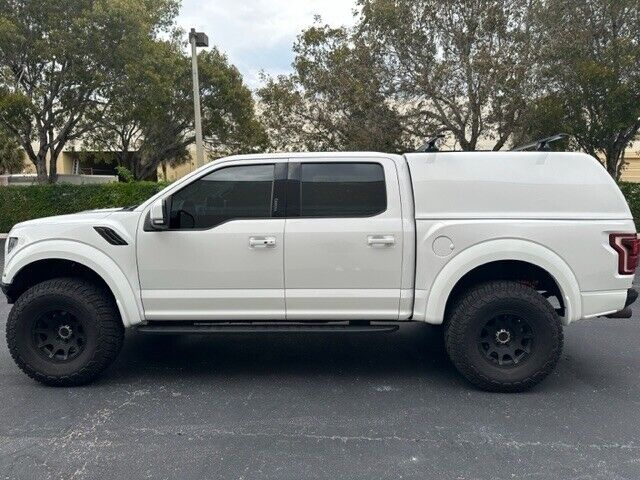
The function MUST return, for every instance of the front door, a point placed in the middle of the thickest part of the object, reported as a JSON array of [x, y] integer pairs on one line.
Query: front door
[[344, 237], [222, 256]]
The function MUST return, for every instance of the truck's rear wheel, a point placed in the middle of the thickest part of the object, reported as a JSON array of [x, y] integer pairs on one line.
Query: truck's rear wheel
[[64, 332], [503, 336]]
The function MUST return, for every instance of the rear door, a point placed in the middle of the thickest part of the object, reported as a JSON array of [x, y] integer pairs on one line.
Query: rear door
[[343, 240]]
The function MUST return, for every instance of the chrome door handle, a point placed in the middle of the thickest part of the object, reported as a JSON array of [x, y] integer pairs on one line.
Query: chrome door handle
[[381, 240], [262, 242]]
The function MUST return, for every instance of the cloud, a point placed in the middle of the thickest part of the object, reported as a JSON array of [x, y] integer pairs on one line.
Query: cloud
[[258, 34]]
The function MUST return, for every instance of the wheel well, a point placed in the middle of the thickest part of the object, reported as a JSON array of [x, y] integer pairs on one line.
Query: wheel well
[[516, 270], [42, 270]]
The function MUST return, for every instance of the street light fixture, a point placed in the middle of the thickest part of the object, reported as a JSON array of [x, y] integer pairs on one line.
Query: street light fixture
[[197, 39]]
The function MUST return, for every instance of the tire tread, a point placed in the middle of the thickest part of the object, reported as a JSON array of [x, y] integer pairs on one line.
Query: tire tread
[[462, 314], [110, 337]]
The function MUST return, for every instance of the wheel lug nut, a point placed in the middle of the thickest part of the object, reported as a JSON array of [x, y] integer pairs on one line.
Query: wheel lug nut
[[503, 336]]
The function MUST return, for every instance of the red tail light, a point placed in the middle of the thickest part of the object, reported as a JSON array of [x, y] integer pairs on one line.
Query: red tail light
[[627, 246]]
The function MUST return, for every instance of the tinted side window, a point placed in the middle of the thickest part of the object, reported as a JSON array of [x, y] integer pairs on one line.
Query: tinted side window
[[342, 189], [226, 194]]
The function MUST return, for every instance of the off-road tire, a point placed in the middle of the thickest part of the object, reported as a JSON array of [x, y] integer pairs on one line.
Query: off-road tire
[[499, 299], [100, 323]]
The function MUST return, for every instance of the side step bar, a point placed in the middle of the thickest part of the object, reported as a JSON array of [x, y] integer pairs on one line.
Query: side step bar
[[264, 327]]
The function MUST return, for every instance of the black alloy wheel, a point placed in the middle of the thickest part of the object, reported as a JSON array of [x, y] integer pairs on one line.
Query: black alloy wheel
[[506, 340], [64, 331], [58, 335], [503, 336]]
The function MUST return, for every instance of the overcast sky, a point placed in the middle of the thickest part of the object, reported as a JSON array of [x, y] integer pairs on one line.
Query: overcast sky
[[258, 34]]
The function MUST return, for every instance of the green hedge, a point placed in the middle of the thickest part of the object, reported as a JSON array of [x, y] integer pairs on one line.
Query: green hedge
[[24, 203], [632, 192], [20, 203]]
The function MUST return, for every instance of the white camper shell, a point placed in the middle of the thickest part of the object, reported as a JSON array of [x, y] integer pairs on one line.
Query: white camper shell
[[514, 185]]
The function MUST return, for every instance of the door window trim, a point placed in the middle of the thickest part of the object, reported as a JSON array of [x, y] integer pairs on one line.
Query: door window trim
[[294, 189], [287, 192], [278, 197]]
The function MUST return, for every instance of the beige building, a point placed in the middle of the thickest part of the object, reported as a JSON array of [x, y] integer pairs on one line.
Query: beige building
[[67, 164], [631, 172], [76, 162], [170, 174]]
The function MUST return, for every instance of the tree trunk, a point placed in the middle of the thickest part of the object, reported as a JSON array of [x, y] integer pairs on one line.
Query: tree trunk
[[53, 166], [39, 160], [620, 166], [41, 167], [135, 168], [612, 160]]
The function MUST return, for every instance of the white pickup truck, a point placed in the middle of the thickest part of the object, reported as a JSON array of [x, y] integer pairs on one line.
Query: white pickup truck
[[502, 248]]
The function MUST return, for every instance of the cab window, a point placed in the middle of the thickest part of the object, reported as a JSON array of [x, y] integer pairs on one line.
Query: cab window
[[342, 189], [226, 194]]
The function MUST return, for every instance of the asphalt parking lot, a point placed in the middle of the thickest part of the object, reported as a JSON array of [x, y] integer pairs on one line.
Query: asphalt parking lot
[[325, 406]]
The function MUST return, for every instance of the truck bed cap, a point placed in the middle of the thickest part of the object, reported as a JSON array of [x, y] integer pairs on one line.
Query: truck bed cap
[[527, 185]]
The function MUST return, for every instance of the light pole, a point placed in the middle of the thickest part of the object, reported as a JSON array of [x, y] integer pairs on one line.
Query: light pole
[[197, 39]]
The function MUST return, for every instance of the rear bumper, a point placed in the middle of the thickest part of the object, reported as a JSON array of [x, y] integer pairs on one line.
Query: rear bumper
[[632, 296]]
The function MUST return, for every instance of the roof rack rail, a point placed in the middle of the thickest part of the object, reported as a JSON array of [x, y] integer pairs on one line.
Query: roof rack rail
[[541, 145], [431, 145]]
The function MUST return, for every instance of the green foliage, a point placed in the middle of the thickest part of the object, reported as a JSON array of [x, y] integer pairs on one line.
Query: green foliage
[[149, 121], [229, 123], [464, 67], [114, 73], [491, 73], [149, 112], [58, 60], [334, 100], [591, 67], [124, 174], [20, 203], [10, 154], [631, 192], [543, 118]]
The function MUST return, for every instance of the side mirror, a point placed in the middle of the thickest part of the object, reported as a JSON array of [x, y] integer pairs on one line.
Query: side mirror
[[158, 215]]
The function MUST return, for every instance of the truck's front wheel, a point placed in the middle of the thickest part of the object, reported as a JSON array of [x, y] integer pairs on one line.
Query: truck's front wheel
[[64, 332], [503, 336]]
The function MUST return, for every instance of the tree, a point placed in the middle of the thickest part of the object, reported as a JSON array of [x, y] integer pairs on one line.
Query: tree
[[334, 100], [592, 69], [11, 159], [150, 119], [458, 66], [57, 60], [141, 101]]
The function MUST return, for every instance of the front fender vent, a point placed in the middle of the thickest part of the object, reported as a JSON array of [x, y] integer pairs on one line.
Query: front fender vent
[[110, 236]]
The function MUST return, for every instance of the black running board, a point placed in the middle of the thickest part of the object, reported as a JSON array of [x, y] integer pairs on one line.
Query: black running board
[[212, 328]]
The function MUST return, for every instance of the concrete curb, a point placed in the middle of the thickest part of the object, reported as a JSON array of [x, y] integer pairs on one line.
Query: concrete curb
[[3, 236]]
